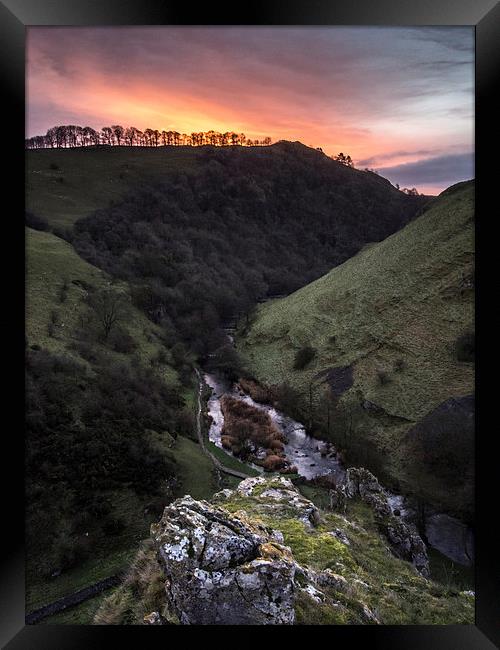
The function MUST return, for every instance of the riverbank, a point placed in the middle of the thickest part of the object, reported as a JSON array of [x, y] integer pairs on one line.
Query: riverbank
[[314, 458]]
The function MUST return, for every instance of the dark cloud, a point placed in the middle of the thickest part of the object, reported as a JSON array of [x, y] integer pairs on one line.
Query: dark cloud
[[440, 170], [377, 159], [355, 69]]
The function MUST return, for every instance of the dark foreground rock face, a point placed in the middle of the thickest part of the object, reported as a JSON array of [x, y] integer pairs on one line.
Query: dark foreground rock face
[[222, 569], [264, 554], [405, 542]]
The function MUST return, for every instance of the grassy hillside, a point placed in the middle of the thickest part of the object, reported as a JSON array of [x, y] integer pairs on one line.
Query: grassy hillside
[[57, 284], [85, 527], [198, 248], [391, 316], [64, 185]]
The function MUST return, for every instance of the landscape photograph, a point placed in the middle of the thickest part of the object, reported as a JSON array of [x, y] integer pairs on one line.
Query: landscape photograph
[[250, 325]]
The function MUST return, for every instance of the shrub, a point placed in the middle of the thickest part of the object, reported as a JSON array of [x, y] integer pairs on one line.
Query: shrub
[[63, 291], [161, 358], [465, 347], [35, 221], [86, 350], [62, 233], [383, 376], [121, 341], [399, 365], [186, 424], [186, 376], [55, 318], [303, 357], [273, 463]]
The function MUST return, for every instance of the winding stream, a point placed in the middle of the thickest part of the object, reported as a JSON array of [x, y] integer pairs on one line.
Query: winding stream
[[314, 458]]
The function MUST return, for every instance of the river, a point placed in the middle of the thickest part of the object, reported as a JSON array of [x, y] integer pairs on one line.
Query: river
[[313, 458]]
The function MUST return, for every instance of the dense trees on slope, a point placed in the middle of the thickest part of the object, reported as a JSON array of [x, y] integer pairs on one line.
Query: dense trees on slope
[[85, 437], [71, 135], [203, 248]]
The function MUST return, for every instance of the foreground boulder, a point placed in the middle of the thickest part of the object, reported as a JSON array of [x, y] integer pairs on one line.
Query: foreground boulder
[[221, 569], [264, 554], [405, 542]]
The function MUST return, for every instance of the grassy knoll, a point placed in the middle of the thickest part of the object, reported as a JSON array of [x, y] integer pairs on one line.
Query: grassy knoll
[[92, 177], [389, 586], [392, 314], [196, 470]]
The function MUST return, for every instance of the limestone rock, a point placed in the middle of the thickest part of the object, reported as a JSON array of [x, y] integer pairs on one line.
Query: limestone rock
[[282, 490], [405, 542], [328, 578], [341, 536], [408, 545], [221, 568]]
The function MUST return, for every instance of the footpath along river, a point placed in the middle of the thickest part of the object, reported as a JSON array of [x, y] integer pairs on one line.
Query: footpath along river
[[314, 458]]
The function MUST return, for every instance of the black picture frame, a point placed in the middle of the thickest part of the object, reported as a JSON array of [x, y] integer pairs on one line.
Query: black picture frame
[[15, 15]]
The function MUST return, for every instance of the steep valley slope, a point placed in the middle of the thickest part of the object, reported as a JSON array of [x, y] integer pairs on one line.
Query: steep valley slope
[[390, 376], [186, 237]]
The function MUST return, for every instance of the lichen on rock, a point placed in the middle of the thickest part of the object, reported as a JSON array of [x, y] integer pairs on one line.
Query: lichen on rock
[[405, 541], [222, 569], [264, 554]]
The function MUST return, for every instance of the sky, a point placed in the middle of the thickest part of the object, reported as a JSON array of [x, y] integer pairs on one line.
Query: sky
[[399, 100]]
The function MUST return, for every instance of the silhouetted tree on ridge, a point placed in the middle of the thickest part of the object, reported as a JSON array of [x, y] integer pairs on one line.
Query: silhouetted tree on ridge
[[70, 136]]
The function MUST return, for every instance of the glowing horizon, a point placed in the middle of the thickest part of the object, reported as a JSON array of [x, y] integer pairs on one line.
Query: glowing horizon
[[395, 99]]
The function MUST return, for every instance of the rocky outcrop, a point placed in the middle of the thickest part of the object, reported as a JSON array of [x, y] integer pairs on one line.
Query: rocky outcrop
[[264, 554], [281, 490], [405, 542], [222, 568]]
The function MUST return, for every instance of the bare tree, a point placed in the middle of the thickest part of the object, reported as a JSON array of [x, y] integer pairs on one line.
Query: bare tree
[[76, 136], [109, 307], [118, 132], [107, 134]]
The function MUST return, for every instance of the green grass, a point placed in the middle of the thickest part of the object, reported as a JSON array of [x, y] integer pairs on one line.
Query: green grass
[[392, 589], [50, 262], [230, 461], [195, 469], [94, 177], [95, 569], [400, 299], [449, 573], [81, 614]]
